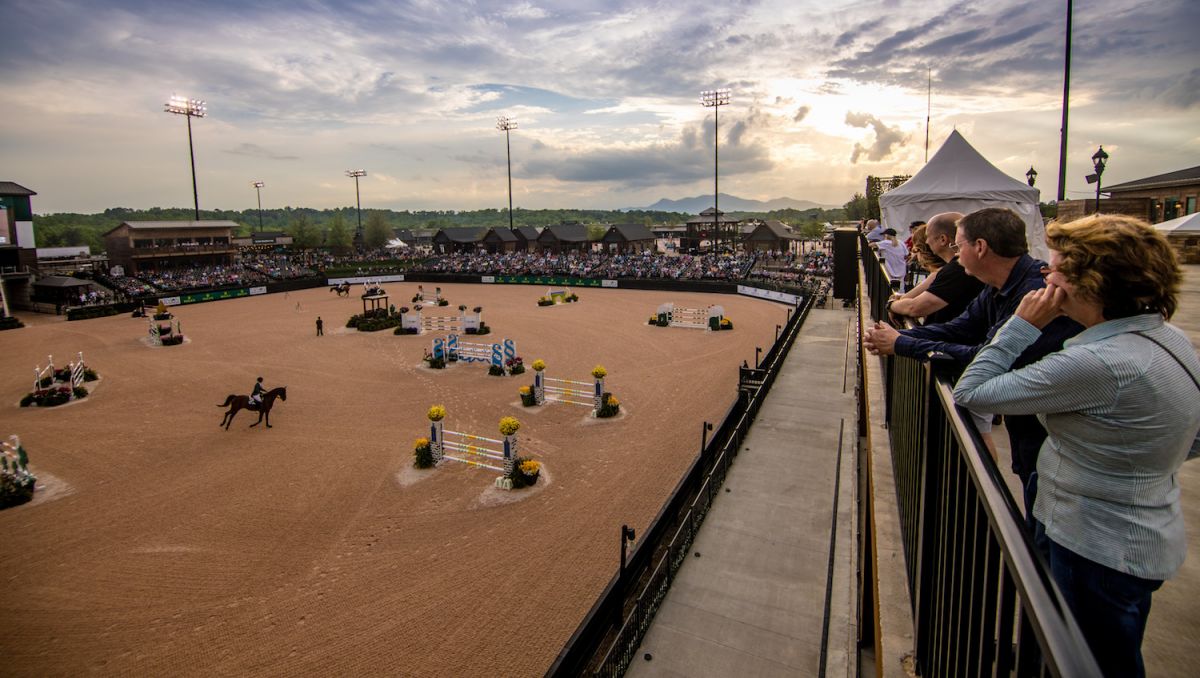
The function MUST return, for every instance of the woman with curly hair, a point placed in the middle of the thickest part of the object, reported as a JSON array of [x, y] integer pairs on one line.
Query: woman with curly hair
[[1121, 405]]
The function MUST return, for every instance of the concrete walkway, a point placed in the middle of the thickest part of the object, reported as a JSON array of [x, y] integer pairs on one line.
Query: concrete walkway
[[751, 599]]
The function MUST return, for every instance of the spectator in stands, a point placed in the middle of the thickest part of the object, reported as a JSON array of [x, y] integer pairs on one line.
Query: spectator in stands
[[874, 231], [894, 255], [946, 294], [1121, 405], [991, 246]]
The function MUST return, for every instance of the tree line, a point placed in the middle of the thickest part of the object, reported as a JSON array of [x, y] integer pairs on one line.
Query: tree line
[[335, 227]]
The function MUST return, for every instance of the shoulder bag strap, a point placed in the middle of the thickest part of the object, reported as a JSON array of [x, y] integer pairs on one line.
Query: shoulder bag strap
[[1172, 354]]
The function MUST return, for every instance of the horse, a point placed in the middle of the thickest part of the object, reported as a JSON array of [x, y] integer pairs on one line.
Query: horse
[[342, 290], [241, 402]]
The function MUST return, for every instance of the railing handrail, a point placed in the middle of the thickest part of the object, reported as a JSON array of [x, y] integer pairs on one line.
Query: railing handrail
[[1064, 646]]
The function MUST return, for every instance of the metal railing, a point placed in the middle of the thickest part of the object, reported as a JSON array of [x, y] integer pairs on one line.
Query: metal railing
[[605, 642], [983, 602]]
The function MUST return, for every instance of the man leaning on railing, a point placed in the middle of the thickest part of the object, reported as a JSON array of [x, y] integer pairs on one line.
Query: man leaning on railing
[[991, 246]]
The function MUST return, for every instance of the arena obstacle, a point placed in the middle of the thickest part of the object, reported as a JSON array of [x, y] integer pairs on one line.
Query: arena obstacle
[[544, 389], [413, 320], [694, 318], [75, 373], [464, 445], [158, 332], [19, 484], [494, 354]]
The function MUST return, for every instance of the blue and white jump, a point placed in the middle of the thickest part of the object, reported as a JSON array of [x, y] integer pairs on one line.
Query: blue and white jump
[[494, 354]]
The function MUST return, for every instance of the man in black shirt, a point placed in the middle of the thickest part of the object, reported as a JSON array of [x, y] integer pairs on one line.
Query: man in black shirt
[[948, 292]]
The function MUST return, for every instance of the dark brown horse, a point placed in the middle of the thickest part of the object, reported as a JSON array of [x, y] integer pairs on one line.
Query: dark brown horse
[[240, 402], [342, 290]]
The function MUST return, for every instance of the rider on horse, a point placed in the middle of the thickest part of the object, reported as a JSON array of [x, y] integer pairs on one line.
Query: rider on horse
[[257, 394]]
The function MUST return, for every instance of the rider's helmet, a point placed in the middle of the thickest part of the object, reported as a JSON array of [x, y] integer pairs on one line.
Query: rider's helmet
[[260, 380]]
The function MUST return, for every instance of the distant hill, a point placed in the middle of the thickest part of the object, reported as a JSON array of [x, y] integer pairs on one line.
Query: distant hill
[[732, 203]]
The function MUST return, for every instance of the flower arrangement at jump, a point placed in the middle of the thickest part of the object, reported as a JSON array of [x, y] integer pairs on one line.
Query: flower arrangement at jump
[[554, 297], [525, 473], [16, 482], [376, 319], [422, 455], [53, 387], [161, 313], [609, 405]]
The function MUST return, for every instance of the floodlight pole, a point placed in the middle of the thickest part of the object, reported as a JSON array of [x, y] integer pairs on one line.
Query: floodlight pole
[[258, 189], [189, 108], [1062, 143], [714, 99], [355, 174], [506, 124]]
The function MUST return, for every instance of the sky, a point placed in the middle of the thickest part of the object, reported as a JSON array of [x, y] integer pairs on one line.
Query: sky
[[605, 95]]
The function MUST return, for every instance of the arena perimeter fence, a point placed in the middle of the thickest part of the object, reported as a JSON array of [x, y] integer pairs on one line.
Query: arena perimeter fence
[[608, 637], [983, 601]]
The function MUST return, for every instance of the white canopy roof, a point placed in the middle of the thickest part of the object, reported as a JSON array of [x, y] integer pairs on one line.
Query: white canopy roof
[[396, 243], [959, 179], [1188, 224]]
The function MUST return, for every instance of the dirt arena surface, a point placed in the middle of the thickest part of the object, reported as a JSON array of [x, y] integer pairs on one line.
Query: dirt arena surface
[[160, 544]]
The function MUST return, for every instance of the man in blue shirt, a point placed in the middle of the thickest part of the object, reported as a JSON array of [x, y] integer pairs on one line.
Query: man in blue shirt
[[874, 231], [991, 246]]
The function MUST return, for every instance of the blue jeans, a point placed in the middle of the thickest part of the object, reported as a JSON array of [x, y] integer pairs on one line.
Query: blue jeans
[[1110, 607], [1038, 531]]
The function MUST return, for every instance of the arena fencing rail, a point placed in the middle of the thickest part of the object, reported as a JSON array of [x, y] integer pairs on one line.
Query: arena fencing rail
[[983, 602], [607, 639]]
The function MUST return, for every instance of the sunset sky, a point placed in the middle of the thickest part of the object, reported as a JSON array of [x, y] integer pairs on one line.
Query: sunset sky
[[605, 95]]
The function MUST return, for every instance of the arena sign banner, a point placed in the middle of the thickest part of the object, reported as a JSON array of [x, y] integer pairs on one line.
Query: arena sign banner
[[772, 295], [546, 280], [210, 296]]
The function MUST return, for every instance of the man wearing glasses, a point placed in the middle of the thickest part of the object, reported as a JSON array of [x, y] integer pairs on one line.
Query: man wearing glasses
[[945, 294], [991, 246]]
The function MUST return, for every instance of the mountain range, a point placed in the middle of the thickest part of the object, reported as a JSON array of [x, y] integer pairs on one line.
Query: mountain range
[[732, 203]]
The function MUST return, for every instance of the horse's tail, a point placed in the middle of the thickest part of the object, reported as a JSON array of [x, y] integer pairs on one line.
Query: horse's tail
[[228, 400]]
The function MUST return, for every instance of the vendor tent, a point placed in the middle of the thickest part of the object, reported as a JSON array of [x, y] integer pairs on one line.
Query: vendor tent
[[1188, 224], [959, 179]]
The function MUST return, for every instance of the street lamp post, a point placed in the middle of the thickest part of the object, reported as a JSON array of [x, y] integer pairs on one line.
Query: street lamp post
[[189, 108], [258, 189], [1031, 175], [506, 124], [714, 99], [1099, 158], [355, 174]]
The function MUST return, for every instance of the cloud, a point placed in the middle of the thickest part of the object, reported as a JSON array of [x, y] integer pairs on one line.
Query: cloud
[[801, 113], [256, 151], [1185, 92], [885, 137], [524, 10], [686, 159]]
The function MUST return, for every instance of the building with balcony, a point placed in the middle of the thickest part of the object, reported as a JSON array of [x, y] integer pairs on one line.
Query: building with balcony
[[139, 246]]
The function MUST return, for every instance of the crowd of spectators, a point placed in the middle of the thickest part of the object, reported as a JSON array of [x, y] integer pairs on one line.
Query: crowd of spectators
[[260, 268]]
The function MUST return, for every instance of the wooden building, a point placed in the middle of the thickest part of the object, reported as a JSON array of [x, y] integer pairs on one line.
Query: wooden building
[[139, 246], [458, 239], [499, 240], [526, 238], [628, 238], [707, 232], [564, 238], [770, 236], [1156, 199]]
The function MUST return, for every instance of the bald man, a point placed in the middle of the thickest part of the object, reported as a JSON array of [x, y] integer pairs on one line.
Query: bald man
[[945, 294]]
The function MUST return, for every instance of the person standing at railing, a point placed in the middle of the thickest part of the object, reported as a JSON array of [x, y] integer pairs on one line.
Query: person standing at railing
[[1121, 403], [894, 255], [991, 246], [944, 295]]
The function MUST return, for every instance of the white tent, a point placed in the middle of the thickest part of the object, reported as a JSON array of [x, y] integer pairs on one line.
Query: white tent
[[396, 243], [959, 179], [1188, 224]]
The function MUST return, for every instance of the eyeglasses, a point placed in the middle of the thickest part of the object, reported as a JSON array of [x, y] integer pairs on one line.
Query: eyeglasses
[[955, 246]]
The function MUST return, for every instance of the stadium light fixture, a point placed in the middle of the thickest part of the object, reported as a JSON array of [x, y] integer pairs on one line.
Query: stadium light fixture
[[715, 99], [355, 174], [506, 124], [258, 185], [189, 108]]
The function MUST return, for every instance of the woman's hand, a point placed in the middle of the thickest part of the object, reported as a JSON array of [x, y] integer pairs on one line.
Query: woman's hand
[[1039, 307]]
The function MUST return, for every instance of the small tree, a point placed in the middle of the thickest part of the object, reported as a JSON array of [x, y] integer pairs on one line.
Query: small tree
[[340, 237], [376, 232], [856, 208]]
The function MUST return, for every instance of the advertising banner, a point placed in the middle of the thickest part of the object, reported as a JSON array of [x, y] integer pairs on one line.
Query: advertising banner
[[608, 283], [258, 290], [770, 295], [487, 279], [211, 296], [549, 280]]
